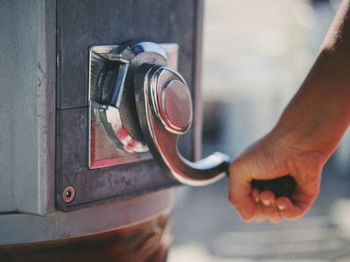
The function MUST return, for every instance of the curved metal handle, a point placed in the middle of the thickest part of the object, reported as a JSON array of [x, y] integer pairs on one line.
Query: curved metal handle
[[164, 108]]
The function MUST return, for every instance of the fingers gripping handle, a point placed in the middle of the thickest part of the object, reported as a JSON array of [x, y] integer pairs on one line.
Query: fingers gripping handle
[[282, 186]]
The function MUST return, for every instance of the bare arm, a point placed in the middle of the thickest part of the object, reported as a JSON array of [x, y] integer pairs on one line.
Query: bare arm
[[306, 135]]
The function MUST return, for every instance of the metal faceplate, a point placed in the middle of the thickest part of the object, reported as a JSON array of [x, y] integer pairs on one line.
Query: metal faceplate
[[115, 137], [103, 22]]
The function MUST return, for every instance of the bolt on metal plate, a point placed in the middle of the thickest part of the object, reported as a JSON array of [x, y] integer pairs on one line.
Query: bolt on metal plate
[[68, 194]]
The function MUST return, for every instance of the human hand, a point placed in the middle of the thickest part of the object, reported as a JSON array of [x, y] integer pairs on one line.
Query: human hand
[[274, 156], [305, 136]]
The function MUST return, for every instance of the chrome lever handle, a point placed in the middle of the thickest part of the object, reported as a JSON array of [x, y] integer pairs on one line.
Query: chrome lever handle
[[164, 108]]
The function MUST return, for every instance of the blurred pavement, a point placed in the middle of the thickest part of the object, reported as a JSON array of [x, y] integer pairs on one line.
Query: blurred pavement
[[207, 229]]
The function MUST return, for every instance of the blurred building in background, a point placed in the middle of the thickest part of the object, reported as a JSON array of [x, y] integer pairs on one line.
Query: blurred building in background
[[256, 55]]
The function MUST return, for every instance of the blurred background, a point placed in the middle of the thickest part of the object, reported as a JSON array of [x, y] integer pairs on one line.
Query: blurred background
[[256, 54]]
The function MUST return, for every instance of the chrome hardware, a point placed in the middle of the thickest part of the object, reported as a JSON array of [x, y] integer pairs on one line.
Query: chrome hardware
[[139, 103], [175, 119], [164, 108], [114, 135]]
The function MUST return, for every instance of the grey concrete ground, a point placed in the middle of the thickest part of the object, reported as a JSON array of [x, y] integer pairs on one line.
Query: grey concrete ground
[[256, 53]]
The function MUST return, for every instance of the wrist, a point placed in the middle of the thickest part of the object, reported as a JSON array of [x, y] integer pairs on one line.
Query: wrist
[[319, 113]]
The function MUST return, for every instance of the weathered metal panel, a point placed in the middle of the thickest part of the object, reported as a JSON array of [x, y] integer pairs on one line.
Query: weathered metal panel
[[27, 105], [98, 184], [81, 24]]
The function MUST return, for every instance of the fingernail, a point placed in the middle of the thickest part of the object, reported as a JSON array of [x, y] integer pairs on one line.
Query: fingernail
[[281, 207], [266, 202], [257, 200]]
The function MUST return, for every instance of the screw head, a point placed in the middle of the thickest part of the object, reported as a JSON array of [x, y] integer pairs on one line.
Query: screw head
[[68, 194]]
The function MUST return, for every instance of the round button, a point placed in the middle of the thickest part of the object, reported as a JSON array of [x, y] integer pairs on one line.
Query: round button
[[176, 106]]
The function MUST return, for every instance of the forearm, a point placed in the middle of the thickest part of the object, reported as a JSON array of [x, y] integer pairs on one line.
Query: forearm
[[319, 114], [304, 137]]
